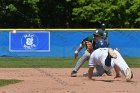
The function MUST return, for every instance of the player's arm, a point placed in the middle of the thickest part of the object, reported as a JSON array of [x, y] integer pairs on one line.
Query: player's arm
[[91, 65], [77, 51], [90, 72], [82, 45]]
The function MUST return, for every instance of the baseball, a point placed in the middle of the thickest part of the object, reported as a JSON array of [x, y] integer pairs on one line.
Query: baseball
[[14, 31], [85, 74]]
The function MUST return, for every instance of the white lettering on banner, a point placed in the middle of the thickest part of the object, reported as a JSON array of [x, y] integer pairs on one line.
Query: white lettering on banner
[[29, 42]]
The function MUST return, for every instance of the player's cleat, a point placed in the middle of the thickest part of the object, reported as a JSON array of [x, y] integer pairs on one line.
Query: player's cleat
[[73, 74], [129, 74], [112, 53]]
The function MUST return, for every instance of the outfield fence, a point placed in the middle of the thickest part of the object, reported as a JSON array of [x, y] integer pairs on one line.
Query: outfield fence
[[63, 42]]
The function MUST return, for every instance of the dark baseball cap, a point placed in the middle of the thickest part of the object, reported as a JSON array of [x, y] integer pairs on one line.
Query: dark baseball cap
[[99, 32]]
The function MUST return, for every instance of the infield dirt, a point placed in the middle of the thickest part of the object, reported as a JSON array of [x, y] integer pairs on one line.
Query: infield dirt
[[58, 80]]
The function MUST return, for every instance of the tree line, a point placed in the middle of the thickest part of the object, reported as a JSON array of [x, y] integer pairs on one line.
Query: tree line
[[69, 13]]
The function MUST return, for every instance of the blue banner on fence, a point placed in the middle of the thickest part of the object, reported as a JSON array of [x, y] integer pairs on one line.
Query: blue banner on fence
[[24, 41]]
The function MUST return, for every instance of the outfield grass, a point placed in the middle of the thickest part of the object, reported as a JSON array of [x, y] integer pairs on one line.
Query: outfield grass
[[11, 62], [133, 62], [4, 82]]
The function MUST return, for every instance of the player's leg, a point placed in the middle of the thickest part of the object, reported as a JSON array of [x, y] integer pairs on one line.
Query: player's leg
[[117, 71], [97, 57], [99, 71], [79, 63], [125, 70], [107, 62]]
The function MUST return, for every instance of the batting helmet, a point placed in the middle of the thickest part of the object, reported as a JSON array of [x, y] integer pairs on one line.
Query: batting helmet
[[100, 43], [99, 32]]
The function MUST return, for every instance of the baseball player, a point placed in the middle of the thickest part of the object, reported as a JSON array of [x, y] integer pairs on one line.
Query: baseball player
[[107, 58], [103, 26], [99, 33]]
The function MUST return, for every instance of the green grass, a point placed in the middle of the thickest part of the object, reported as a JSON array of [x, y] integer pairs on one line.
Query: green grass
[[36, 62], [4, 82], [12, 62], [133, 62]]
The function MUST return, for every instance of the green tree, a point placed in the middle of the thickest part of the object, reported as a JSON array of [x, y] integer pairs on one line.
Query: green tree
[[55, 13], [69, 13], [118, 13], [19, 13]]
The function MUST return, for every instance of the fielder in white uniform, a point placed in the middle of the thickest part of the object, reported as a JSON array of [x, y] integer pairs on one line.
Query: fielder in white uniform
[[107, 59]]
